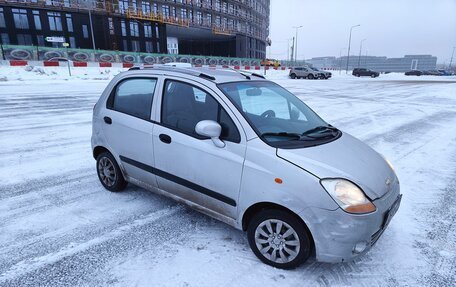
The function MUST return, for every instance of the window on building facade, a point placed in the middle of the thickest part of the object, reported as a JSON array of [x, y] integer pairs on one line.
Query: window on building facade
[[111, 26], [134, 29], [209, 19], [2, 19], [55, 21], [85, 31], [123, 6], [145, 7], [155, 8], [72, 42], [20, 18], [184, 13], [123, 27], [135, 46], [199, 18], [147, 31], [69, 21], [125, 45], [157, 34], [24, 39], [5, 38], [36, 19], [165, 10], [40, 40], [149, 47]]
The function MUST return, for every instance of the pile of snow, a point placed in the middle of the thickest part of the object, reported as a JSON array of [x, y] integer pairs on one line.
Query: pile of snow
[[39, 73]]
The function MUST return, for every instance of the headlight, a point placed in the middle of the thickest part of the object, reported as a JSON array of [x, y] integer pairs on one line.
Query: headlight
[[349, 197]]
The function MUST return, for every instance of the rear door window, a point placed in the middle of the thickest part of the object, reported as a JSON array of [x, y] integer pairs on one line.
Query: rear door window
[[134, 97]]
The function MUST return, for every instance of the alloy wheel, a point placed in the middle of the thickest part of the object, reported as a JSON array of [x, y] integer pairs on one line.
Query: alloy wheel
[[277, 241]]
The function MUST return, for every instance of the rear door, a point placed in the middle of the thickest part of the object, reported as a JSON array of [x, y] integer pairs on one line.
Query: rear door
[[128, 126], [191, 166]]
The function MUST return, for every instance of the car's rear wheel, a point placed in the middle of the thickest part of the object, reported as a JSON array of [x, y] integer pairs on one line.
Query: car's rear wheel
[[293, 76], [310, 77], [279, 239], [358, 75], [109, 173], [322, 77], [373, 76]]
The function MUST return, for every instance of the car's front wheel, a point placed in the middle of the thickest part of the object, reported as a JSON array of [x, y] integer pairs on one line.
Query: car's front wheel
[[109, 172], [310, 77], [279, 239], [293, 76]]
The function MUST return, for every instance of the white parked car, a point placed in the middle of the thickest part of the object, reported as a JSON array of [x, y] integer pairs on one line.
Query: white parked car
[[246, 151]]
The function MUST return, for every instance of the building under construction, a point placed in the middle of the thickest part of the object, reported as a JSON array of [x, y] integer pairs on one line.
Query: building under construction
[[228, 28]]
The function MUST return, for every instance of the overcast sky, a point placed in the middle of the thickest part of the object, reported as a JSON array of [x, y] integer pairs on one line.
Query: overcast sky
[[392, 28]]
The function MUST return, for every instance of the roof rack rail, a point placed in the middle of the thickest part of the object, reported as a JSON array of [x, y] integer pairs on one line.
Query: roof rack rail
[[206, 76], [247, 74], [174, 69]]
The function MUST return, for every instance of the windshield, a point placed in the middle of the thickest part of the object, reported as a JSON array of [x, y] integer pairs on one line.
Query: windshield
[[315, 69], [277, 116]]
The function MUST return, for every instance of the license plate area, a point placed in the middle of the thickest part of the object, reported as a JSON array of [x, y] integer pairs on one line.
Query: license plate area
[[392, 211]]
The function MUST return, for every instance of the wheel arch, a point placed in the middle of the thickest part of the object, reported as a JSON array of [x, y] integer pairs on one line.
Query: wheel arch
[[98, 150], [257, 207]]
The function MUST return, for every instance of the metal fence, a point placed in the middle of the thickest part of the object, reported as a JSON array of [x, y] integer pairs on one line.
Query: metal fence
[[13, 52]]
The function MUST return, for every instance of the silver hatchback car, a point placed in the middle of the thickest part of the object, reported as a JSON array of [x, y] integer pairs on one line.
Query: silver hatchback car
[[246, 151]]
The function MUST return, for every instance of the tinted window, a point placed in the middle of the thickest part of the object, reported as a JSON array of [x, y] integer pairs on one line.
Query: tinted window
[[134, 97], [185, 105]]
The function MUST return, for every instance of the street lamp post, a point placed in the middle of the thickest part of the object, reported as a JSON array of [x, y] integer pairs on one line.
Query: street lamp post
[[349, 44], [91, 28], [340, 59], [288, 50], [296, 46], [451, 60], [360, 48]]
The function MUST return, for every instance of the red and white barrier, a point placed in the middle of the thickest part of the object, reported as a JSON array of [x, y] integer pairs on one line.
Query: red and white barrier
[[19, 63]]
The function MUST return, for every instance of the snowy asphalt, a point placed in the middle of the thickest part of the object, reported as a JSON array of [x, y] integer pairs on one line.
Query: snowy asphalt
[[59, 227]]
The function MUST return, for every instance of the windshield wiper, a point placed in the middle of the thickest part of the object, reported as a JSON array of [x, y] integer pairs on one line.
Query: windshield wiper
[[294, 136], [320, 130]]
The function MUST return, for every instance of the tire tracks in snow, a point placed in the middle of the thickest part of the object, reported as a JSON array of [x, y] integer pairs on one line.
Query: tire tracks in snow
[[27, 266]]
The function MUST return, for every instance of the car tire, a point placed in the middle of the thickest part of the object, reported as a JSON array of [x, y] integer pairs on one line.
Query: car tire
[[373, 76], [262, 233], [322, 77], [293, 76], [109, 173], [310, 77], [358, 75]]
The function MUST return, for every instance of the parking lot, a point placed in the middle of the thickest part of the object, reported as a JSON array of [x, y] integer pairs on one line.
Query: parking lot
[[59, 227]]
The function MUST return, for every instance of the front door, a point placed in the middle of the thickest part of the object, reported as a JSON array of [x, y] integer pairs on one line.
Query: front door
[[191, 166]]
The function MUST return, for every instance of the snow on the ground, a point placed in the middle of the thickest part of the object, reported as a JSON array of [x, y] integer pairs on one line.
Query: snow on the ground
[[59, 227]]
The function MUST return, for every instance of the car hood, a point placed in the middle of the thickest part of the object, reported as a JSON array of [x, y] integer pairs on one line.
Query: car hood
[[346, 157]]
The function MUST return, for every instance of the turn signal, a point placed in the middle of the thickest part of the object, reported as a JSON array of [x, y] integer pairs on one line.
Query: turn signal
[[362, 208], [278, 180]]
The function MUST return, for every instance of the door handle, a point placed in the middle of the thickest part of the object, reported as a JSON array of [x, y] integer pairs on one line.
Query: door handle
[[165, 138], [107, 120]]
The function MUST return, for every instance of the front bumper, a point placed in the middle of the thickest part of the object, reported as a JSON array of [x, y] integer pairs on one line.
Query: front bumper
[[340, 236]]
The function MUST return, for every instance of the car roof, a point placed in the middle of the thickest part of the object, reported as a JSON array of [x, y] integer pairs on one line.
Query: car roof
[[215, 75]]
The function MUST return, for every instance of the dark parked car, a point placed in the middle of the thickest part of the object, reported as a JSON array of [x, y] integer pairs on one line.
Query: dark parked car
[[446, 72], [432, 73], [414, 73], [358, 72]]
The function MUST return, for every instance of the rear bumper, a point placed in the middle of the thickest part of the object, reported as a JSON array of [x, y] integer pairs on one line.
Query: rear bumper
[[340, 236]]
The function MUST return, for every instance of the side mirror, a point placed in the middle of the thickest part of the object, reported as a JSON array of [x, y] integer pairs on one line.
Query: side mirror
[[212, 129]]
